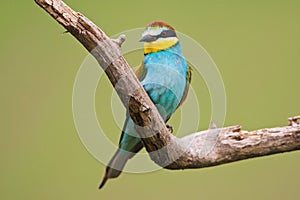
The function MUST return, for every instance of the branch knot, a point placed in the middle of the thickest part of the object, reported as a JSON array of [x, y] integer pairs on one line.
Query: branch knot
[[294, 121], [119, 41]]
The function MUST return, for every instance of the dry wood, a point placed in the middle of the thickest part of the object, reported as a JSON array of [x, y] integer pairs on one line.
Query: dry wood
[[203, 149]]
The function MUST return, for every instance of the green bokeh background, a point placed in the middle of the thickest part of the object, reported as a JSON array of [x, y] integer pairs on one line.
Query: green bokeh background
[[255, 44]]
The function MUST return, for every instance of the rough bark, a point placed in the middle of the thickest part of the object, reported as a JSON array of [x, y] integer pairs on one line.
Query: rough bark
[[203, 149]]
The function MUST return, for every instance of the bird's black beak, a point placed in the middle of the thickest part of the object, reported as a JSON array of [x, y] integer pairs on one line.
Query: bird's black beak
[[148, 38]]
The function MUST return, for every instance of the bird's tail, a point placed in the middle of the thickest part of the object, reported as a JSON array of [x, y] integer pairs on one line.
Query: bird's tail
[[115, 166]]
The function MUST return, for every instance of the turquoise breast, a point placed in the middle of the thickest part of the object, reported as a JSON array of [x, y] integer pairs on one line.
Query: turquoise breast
[[165, 79]]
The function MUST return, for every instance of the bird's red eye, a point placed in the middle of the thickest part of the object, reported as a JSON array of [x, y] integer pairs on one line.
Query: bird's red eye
[[164, 33]]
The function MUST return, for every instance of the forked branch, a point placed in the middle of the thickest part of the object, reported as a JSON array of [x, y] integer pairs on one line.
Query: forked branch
[[203, 149]]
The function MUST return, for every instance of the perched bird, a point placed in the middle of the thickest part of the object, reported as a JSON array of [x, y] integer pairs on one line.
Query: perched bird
[[165, 75]]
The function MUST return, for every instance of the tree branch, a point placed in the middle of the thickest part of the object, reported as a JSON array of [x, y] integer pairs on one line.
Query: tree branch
[[203, 149]]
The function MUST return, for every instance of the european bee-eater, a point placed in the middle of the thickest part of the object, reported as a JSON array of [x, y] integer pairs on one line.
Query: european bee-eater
[[166, 76]]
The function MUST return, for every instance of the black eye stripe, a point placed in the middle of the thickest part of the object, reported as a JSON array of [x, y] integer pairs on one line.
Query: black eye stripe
[[167, 33]]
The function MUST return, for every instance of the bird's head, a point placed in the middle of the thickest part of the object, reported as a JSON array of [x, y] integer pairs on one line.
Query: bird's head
[[158, 36]]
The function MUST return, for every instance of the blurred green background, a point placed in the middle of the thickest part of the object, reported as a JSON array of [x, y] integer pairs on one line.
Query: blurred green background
[[255, 44]]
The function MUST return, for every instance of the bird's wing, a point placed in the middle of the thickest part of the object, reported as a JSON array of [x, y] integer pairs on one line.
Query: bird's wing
[[141, 72], [188, 82]]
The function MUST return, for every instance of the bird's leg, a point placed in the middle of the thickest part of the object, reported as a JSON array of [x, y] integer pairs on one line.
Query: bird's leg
[[170, 128]]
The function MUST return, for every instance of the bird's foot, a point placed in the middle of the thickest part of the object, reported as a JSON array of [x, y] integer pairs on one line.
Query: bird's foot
[[170, 128]]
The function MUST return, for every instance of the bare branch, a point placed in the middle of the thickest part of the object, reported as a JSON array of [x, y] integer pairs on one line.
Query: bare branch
[[203, 149]]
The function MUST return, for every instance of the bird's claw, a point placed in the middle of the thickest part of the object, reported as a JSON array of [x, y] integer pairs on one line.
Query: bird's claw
[[170, 128]]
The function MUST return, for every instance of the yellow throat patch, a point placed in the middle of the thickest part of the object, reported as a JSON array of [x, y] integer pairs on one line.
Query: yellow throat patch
[[160, 44]]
